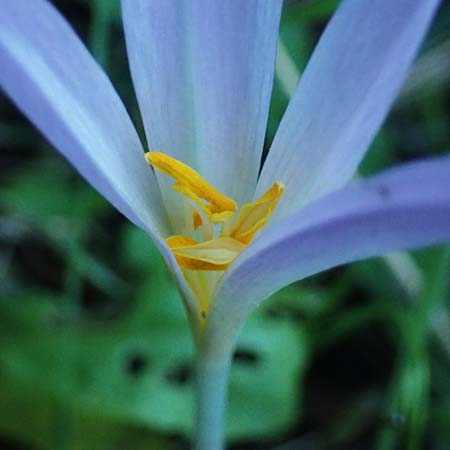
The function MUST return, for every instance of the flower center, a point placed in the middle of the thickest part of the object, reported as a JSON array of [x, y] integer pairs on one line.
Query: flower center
[[214, 232]]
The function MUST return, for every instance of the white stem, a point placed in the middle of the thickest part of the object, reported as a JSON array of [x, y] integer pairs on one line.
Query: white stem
[[211, 393]]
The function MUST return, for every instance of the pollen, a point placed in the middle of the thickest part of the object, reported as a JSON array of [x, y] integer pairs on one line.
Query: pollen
[[189, 183], [253, 216], [215, 232], [215, 254]]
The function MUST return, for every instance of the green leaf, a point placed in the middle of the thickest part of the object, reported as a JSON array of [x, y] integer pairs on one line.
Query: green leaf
[[45, 195], [139, 369]]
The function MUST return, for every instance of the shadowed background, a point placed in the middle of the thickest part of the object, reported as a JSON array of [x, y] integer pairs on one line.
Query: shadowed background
[[95, 351]]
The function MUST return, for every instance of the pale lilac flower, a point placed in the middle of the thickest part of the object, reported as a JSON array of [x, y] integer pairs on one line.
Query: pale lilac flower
[[203, 74]]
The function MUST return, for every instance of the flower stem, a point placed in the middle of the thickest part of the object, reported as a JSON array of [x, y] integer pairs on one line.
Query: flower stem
[[211, 390]]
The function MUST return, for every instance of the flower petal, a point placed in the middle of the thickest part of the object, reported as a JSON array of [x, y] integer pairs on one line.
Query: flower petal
[[343, 96], [203, 73], [403, 208], [52, 78]]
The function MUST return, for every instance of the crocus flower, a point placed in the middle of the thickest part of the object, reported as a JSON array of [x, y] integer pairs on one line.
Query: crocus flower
[[203, 72]]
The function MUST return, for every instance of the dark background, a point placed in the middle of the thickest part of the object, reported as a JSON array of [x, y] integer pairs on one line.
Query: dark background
[[94, 348]]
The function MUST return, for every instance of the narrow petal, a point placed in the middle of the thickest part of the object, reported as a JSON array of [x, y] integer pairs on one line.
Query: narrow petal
[[343, 96], [203, 73], [403, 208], [52, 78], [188, 295]]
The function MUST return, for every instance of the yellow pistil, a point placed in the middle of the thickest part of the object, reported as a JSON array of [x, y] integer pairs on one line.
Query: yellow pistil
[[224, 236]]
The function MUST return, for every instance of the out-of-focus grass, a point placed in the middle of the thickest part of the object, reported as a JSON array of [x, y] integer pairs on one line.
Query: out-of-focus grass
[[94, 347]]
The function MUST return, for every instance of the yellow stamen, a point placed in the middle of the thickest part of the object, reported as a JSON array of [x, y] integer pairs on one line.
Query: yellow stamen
[[203, 262], [218, 206], [178, 241], [253, 216], [216, 254]]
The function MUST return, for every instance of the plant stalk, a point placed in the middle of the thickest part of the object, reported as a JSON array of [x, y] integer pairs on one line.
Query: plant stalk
[[211, 379]]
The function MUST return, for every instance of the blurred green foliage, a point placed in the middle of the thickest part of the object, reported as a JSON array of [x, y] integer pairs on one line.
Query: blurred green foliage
[[95, 351]]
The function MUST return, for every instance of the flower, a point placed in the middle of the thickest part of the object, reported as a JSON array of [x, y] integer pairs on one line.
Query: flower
[[203, 73]]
